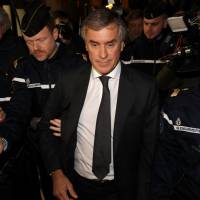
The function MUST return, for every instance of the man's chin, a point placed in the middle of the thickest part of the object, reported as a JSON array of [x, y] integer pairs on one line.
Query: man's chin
[[104, 69], [150, 37], [40, 58]]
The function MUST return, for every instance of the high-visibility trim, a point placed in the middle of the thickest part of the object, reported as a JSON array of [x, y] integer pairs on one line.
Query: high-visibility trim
[[5, 99], [21, 80], [47, 86], [181, 128], [165, 116], [187, 129], [42, 86], [142, 61], [34, 85]]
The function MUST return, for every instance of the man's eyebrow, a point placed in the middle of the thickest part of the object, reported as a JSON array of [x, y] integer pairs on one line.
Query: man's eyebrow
[[111, 41], [93, 41], [150, 22]]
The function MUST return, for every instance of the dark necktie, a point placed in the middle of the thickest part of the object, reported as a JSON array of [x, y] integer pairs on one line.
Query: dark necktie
[[102, 141]]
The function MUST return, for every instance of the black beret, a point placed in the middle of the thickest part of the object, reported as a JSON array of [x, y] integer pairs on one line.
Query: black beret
[[35, 19], [154, 10]]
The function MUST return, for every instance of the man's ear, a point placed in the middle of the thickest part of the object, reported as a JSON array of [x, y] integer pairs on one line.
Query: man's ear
[[86, 47], [122, 46], [55, 33]]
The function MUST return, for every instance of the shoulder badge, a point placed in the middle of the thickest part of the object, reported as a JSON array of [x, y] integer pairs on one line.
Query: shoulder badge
[[178, 121]]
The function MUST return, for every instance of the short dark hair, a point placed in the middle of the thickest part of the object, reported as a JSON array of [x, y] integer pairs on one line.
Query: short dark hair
[[63, 17], [134, 14], [100, 18], [155, 9]]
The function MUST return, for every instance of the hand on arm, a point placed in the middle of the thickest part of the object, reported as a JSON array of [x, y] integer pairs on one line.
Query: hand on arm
[[62, 187], [56, 127]]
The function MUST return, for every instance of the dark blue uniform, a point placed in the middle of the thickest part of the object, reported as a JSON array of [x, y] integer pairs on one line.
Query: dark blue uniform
[[146, 54], [176, 172], [32, 85], [11, 49]]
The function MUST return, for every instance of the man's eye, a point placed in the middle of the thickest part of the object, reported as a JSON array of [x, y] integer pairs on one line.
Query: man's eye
[[94, 44], [29, 43], [155, 24], [41, 40], [110, 44]]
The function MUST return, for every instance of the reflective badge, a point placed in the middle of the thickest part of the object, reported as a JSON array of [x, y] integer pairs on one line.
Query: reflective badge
[[28, 82], [178, 121]]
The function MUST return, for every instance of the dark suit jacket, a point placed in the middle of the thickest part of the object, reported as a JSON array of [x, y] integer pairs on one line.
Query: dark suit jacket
[[135, 128]]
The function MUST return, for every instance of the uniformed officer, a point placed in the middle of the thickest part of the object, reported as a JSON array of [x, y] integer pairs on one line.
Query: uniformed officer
[[11, 48], [148, 51], [33, 82], [176, 171]]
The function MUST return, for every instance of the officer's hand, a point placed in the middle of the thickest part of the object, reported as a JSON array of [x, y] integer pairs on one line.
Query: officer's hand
[[56, 127], [2, 115], [62, 186]]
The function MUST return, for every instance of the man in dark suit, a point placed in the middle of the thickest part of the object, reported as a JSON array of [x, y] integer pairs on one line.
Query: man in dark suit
[[133, 121]]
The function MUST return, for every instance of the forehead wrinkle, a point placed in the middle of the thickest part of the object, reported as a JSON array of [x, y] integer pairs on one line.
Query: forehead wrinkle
[[110, 41]]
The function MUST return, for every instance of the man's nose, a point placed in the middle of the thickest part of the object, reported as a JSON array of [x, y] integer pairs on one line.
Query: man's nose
[[148, 28], [35, 45], [103, 52]]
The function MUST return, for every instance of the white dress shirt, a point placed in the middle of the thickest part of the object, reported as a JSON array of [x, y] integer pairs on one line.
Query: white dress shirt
[[87, 122]]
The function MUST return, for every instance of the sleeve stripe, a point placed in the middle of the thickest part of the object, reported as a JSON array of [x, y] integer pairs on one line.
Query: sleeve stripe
[[21, 80], [4, 99]]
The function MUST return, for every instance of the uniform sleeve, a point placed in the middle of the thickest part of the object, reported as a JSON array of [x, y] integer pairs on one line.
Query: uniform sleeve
[[150, 133], [49, 144], [18, 110]]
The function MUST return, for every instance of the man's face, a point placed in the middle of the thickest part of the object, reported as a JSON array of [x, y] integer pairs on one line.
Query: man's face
[[135, 27], [42, 45], [153, 27], [104, 47]]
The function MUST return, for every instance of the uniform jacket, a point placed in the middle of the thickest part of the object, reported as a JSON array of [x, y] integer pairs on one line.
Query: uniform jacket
[[11, 49], [149, 49], [32, 83], [176, 171], [135, 127]]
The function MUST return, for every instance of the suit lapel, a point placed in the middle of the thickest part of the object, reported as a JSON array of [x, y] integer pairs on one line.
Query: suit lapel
[[77, 102], [124, 102]]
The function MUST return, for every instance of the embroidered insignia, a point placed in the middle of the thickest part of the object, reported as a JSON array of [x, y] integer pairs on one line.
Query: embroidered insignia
[[28, 82], [178, 121], [84, 56]]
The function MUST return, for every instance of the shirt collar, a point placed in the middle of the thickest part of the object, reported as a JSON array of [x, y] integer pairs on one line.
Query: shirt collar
[[114, 74]]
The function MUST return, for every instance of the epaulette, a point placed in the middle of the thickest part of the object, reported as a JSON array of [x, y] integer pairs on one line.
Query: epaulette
[[175, 92], [186, 90], [179, 91], [84, 56], [18, 61]]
